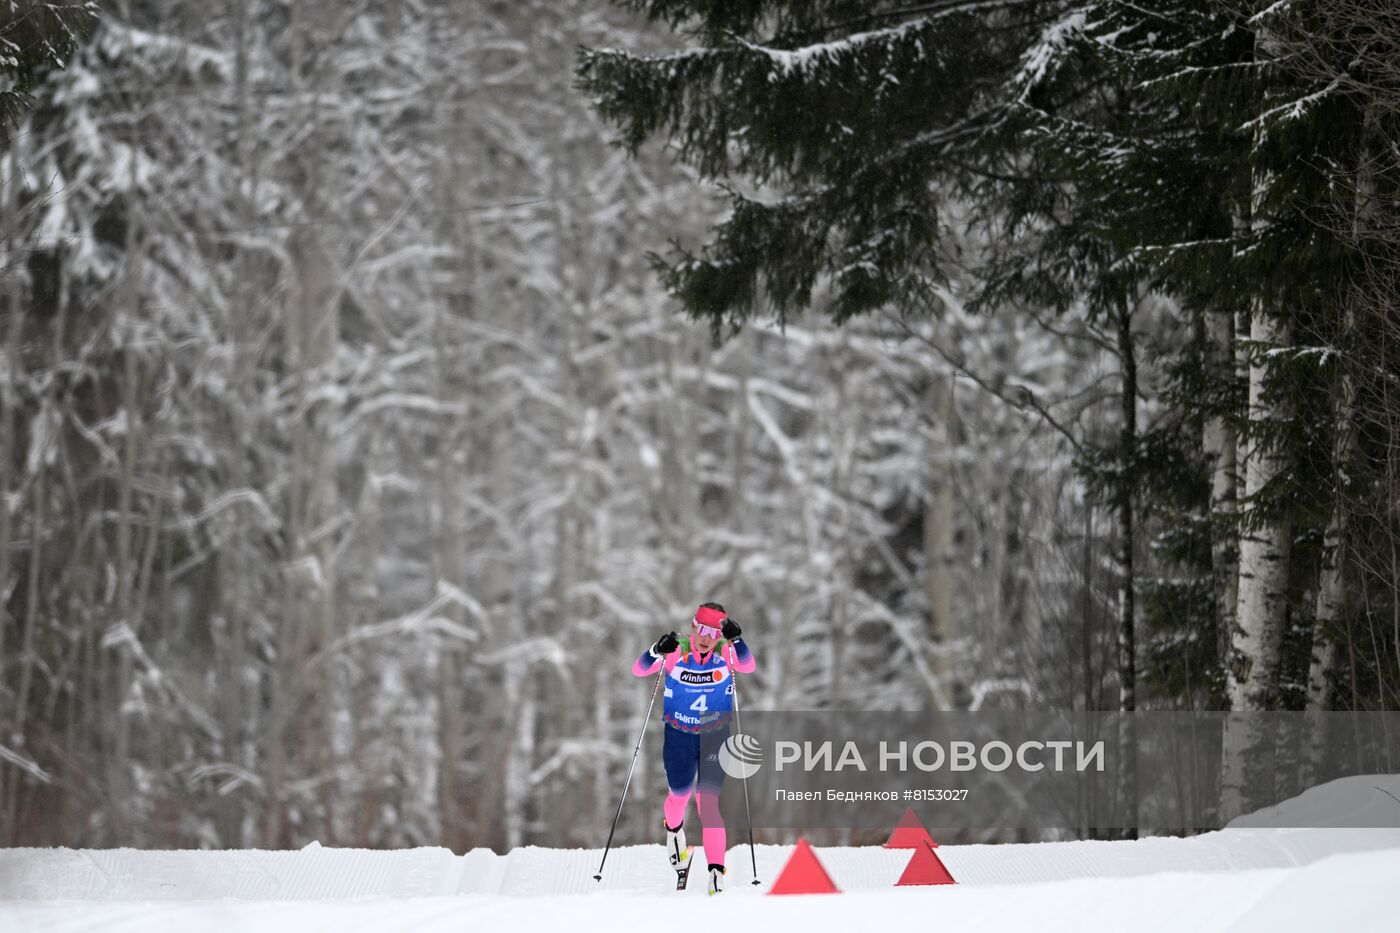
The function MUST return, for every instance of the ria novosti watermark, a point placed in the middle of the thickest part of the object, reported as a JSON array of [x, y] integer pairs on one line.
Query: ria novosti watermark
[[741, 756], [928, 755], [1035, 769]]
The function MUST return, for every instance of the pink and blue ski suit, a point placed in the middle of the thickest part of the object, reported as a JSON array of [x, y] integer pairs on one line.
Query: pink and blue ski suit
[[698, 706]]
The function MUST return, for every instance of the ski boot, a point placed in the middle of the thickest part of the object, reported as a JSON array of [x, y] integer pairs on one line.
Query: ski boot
[[678, 853], [675, 845], [716, 879]]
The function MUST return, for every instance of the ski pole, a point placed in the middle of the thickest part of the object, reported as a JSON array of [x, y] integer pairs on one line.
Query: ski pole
[[748, 816], [635, 751]]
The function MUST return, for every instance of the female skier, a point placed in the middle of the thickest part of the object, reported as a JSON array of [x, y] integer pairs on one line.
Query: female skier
[[699, 702]]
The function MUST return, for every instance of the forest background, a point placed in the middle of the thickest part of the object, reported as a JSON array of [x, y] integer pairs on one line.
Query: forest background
[[359, 429]]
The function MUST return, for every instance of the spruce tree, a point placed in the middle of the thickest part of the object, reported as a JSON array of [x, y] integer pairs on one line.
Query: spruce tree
[[37, 37], [1122, 151], [838, 129]]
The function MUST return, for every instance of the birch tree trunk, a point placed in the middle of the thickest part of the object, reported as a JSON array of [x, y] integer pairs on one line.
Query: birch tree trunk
[[1265, 548], [1331, 584], [1219, 443], [1264, 558], [1265, 543]]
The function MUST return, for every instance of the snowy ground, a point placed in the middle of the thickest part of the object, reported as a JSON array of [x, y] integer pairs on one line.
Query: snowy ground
[[1240, 879], [1265, 880]]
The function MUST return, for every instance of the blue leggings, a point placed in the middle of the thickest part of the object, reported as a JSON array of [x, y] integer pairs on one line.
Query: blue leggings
[[692, 760]]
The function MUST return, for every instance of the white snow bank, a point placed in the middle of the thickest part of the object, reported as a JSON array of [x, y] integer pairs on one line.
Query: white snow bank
[[1259, 880], [1363, 800], [1349, 892], [316, 873]]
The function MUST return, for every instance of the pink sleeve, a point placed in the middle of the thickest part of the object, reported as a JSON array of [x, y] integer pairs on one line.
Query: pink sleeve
[[741, 661], [645, 665]]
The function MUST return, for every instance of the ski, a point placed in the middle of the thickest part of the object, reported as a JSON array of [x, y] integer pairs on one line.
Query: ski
[[683, 872]]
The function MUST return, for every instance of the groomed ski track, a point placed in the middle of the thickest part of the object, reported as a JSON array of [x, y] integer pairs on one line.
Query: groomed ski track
[[1239, 879]]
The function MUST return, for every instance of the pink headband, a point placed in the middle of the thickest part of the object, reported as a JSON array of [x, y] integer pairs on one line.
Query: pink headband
[[708, 621]]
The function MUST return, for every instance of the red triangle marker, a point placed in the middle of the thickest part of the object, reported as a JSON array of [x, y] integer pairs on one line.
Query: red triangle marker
[[803, 874], [910, 833], [925, 868]]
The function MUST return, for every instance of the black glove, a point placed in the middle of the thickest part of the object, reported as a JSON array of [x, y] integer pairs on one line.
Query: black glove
[[730, 629], [665, 644]]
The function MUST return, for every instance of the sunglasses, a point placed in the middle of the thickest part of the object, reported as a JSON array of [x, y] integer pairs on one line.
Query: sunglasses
[[709, 631]]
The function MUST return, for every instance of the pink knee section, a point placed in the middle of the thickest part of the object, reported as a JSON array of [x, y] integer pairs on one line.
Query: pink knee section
[[713, 836], [674, 808]]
